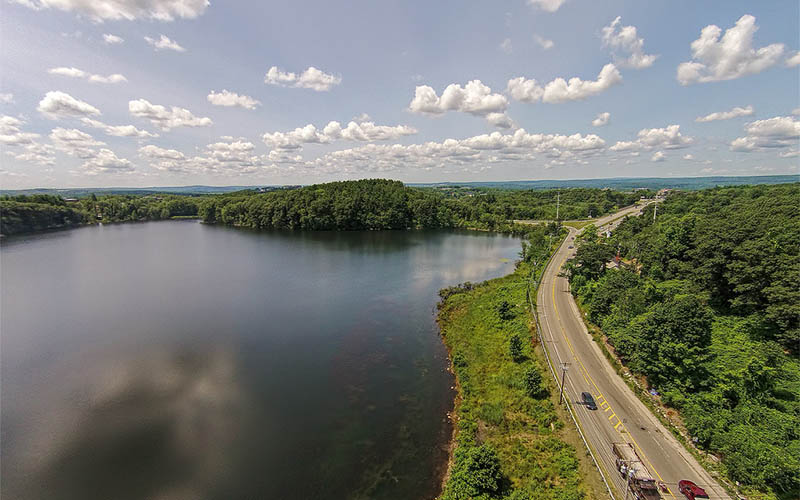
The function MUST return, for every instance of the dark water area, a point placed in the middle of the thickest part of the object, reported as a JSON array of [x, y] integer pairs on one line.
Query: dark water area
[[176, 360]]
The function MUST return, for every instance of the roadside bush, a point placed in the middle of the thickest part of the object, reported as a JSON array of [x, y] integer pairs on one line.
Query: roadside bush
[[475, 476], [533, 382], [515, 348], [504, 311]]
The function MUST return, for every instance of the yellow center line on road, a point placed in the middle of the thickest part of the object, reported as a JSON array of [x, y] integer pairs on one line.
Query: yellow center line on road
[[589, 379]]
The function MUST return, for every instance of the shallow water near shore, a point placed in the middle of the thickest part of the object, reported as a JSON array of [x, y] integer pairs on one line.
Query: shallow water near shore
[[180, 360]]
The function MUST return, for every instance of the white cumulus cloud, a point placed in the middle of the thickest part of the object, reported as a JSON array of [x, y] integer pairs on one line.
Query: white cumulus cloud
[[626, 45], [470, 154], [34, 152], [23, 146], [474, 98], [561, 90], [794, 60], [729, 57], [164, 42], [7, 98], [112, 39], [506, 46], [544, 43], [57, 104], [155, 152], [602, 119], [726, 115], [669, 137], [10, 133], [547, 5], [117, 130], [500, 120], [777, 132], [228, 157], [101, 10], [106, 161], [354, 131], [74, 142], [164, 118], [658, 156], [311, 78], [230, 99], [70, 72], [77, 73]]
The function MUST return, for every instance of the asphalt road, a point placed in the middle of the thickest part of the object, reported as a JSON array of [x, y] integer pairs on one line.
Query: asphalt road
[[620, 416]]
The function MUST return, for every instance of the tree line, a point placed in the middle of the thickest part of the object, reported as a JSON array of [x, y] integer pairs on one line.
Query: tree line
[[706, 306], [385, 204], [40, 212], [349, 205]]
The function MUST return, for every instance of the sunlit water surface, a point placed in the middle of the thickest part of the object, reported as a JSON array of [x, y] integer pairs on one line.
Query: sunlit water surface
[[176, 360]]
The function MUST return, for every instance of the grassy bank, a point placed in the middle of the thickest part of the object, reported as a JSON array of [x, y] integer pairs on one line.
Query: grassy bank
[[510, 441]]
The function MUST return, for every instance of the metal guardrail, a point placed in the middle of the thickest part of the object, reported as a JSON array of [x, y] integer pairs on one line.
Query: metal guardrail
[[553, 372]]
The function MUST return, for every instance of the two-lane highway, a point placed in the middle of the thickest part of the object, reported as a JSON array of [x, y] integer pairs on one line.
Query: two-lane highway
[[620, 416]]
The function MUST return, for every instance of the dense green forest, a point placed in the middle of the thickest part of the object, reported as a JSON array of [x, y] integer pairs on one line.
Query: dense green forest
[[706, 306], [350, 205], [384, 204], [510, 442], [40, 212]]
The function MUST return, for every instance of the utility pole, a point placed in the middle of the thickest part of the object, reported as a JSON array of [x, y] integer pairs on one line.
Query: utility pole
[[558, 203], [564, 368]]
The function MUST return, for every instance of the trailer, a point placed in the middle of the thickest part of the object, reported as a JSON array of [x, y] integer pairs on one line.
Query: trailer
[[637, 478]]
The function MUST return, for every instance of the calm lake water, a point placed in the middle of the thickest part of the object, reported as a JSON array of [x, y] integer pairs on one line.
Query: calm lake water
[[175, 360]]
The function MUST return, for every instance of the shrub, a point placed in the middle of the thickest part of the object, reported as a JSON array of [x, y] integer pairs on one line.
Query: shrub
[[504, 311], [476, 475], [515, 348], [533, 382]]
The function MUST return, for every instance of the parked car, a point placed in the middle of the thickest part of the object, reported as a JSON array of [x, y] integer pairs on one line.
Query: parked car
[[571, 246], [588, 400], [690, 490]]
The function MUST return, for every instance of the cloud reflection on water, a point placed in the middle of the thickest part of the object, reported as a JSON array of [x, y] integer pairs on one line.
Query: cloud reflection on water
[[159, 424]]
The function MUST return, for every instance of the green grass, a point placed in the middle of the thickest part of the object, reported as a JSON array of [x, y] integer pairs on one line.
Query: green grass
[[578, 224], [494, 407]]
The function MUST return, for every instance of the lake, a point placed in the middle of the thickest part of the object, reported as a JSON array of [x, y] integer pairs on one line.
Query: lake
[[177, 360]]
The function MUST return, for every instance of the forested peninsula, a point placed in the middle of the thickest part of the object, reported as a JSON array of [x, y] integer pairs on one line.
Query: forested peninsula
[[704, 307], [349, 205]]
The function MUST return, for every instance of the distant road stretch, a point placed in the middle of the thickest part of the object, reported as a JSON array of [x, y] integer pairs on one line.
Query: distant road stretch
[[620, 416]]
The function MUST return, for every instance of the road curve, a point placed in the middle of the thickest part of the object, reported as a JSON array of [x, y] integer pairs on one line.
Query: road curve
[[620, 416]]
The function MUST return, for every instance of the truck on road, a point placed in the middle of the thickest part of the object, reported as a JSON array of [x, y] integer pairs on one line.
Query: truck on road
[[637, 478]]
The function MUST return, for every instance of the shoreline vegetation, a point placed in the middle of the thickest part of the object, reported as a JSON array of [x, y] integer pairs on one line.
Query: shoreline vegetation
[[509, 439], [374, 204], [703, 314]]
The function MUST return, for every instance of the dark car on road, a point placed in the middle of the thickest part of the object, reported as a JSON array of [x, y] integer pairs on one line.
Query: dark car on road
[[690, 490], [588, 400]]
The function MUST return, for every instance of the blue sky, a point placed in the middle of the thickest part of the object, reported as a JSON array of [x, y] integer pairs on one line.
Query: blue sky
[[418, 91]]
